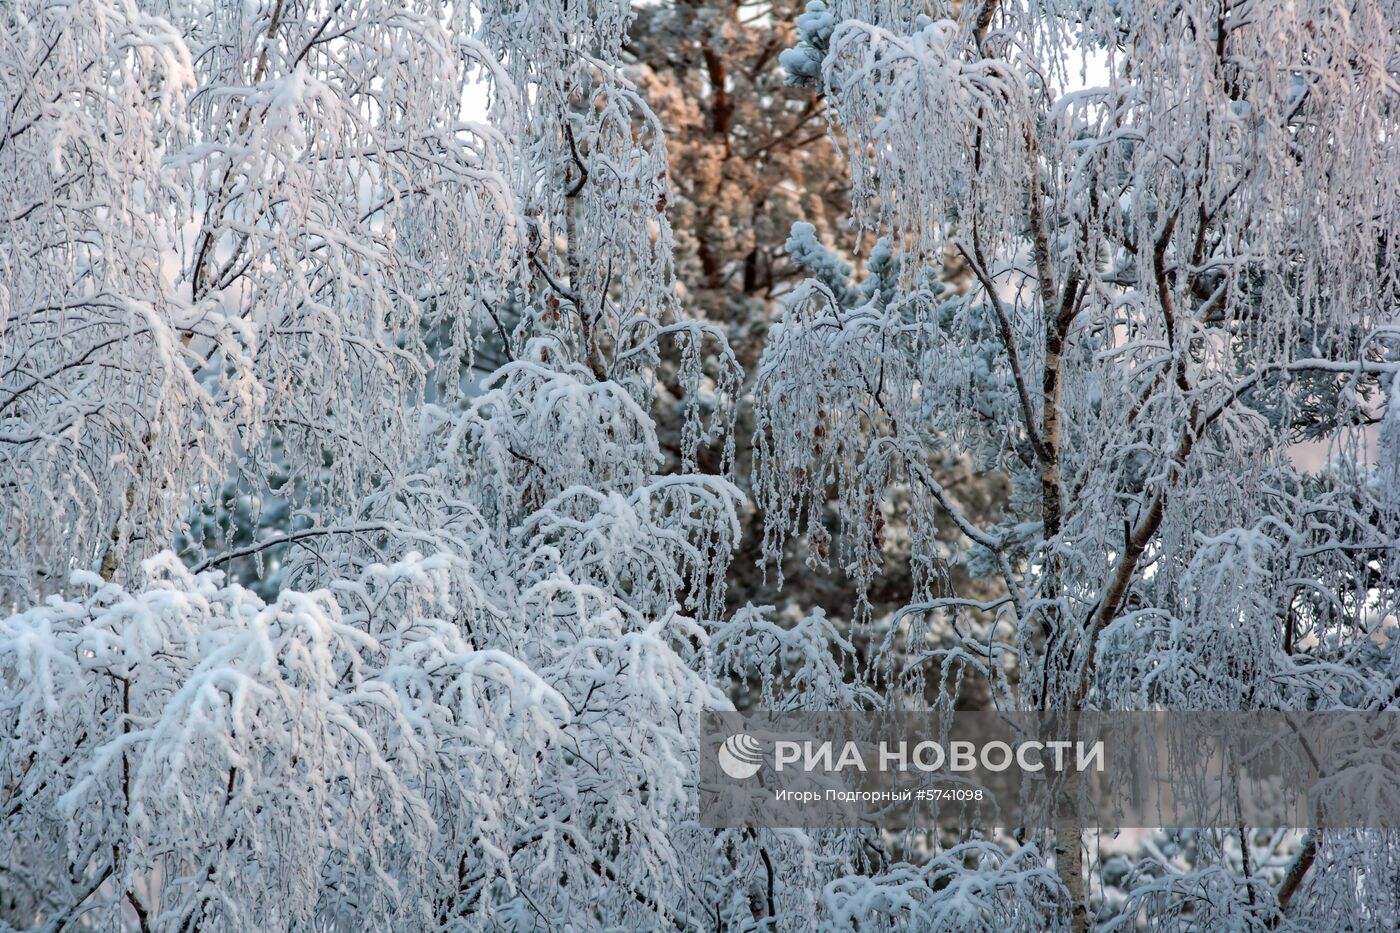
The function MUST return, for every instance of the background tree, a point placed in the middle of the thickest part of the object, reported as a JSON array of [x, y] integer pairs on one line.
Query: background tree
[[760, 195], [749, 155]]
